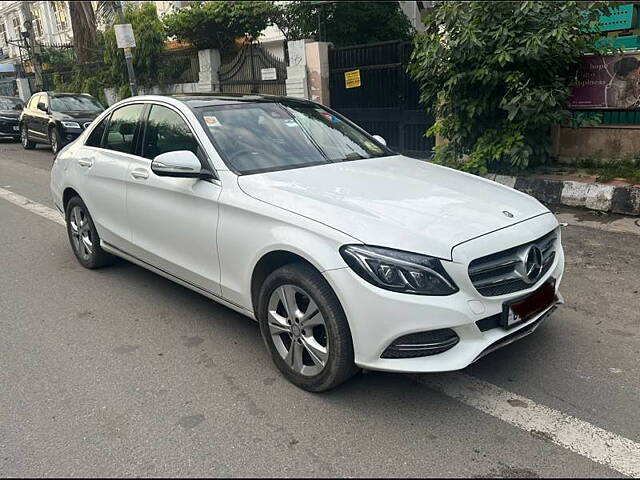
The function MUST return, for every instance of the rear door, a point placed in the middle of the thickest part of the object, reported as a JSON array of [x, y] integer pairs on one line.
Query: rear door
[[41, 119], [174, 220], [104, 161]]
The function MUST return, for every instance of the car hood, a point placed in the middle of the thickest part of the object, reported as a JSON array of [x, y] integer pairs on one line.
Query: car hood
[[10, 113], [76, 115], [396, 202]]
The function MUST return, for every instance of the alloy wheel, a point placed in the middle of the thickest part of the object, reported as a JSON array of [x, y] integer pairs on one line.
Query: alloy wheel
[[81, 232], [53, 139], [298, 330]]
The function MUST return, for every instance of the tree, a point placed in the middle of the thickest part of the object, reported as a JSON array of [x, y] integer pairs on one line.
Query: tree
[[343, 23], [218, 24], [150, 37], [496, 77], [83, 24]]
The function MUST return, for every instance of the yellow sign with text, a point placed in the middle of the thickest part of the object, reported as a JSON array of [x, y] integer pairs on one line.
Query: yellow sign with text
[[352, 79]]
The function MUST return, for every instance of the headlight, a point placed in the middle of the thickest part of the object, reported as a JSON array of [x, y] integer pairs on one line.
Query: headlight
[[399, 271], [70, 124]]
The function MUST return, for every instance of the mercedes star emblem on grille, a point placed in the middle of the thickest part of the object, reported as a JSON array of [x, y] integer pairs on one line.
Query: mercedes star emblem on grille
[[533, 264]]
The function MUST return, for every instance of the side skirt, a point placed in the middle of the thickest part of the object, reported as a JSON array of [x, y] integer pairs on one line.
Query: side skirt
[[116, 251]]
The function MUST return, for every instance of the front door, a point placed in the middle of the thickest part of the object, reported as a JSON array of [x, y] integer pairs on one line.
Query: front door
[[173, 220]]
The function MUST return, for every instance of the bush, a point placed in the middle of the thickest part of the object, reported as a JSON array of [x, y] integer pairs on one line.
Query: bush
[[218, 24], [496, 76]]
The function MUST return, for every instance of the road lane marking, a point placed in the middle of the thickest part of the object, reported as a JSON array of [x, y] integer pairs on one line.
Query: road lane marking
[[32, 206], [578, 436]]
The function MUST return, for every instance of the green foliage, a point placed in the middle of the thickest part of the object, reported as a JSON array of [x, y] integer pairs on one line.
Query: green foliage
[[57, 58], [343, 23], [624, 168], [150, 39], [218, 24], [496, 77]]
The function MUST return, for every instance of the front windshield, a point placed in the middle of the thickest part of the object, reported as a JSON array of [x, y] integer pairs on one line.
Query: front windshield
[[257, 137], [75, 104], [10, 104]]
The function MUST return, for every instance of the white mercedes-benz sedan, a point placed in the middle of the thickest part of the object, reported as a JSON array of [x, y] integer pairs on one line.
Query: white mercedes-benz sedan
[[349, 255]]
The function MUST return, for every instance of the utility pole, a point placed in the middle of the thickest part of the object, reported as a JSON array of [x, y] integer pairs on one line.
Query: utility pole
[[32, 48], [128, 56]]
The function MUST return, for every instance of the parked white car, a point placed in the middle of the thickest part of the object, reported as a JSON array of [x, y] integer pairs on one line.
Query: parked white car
[[347, 254]]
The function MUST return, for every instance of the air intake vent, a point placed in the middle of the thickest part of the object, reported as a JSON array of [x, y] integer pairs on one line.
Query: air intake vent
[[422, 344]]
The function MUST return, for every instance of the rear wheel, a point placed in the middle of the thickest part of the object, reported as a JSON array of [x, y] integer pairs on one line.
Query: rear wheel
[[83, 236], [305, 329], [24, 138]]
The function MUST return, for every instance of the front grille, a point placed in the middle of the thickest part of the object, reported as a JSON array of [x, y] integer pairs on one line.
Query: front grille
[[422, 344], [502, 272]]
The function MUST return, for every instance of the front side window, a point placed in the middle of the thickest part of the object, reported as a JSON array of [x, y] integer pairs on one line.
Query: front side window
[[78, 103], [256, 137], [120, 135], [167, 132]]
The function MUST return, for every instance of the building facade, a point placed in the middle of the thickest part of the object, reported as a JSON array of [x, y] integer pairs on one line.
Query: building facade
[[51, 25]]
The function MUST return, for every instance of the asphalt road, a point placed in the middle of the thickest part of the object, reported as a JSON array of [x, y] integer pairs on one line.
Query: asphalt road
[[121, 372]]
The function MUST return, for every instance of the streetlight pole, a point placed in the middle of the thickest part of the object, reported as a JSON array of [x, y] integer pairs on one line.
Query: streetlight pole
[[29, 38], [128, 56]]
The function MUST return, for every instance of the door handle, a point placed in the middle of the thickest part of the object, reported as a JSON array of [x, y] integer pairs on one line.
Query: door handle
[[140, 173], [85, 162]]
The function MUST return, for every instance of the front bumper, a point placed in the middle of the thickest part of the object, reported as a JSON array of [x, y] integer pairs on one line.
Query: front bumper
[[377, 317], [9, 128]]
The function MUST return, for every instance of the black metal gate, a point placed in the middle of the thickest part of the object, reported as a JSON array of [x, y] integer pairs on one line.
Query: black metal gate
[[254, 70], [387, 101]]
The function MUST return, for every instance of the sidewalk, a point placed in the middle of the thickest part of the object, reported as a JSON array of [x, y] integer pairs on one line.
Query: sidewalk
[[575, 191]]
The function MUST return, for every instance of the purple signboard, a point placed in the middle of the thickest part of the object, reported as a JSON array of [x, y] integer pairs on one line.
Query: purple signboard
[[607, 82]]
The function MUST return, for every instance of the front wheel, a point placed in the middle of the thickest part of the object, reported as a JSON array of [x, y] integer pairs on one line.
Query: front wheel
[[305, 329], [54, 140], [24, 138]]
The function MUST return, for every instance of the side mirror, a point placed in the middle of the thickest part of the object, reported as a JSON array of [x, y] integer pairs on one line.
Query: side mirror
[[179, 163], [42, 106], [380, 140]]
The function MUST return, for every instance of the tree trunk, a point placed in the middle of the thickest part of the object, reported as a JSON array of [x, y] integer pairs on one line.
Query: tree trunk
[[83, 24]]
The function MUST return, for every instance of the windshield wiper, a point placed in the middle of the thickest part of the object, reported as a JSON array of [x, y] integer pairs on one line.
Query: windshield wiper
[[350, 156]]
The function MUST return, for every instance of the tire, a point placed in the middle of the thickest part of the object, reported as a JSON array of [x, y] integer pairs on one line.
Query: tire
[[301, 284], [24, 138], [90, 255], [54, 140]]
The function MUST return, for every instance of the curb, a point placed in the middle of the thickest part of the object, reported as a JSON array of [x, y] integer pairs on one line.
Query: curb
[[594, 196]]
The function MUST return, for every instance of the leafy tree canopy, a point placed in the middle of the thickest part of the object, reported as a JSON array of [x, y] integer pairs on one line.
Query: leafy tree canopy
[[343, 23], [496, 76], [218, 24], [150, 39]]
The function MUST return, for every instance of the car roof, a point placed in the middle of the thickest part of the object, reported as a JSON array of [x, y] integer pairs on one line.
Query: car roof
[[209, 99]]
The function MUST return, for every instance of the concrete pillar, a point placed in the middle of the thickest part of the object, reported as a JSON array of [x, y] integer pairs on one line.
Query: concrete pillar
[[208, 79], [296, 82], [317, 54], [24, 91]]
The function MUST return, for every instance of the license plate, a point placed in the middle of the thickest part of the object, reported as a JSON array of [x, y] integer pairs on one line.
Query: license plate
[[518, 311], [16, 128]]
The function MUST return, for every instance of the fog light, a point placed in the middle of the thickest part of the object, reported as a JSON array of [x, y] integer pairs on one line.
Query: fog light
[[422, 344]]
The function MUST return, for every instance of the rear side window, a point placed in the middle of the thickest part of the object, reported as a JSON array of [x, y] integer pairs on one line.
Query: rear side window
[[167, 132], [95, 137], [120, 134]]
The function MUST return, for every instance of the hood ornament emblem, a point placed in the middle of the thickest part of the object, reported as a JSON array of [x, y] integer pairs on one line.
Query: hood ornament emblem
[[507, 213]]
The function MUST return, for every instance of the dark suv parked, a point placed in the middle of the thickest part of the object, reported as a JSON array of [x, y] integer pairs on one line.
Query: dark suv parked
[[56, 118], [10, 108]]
